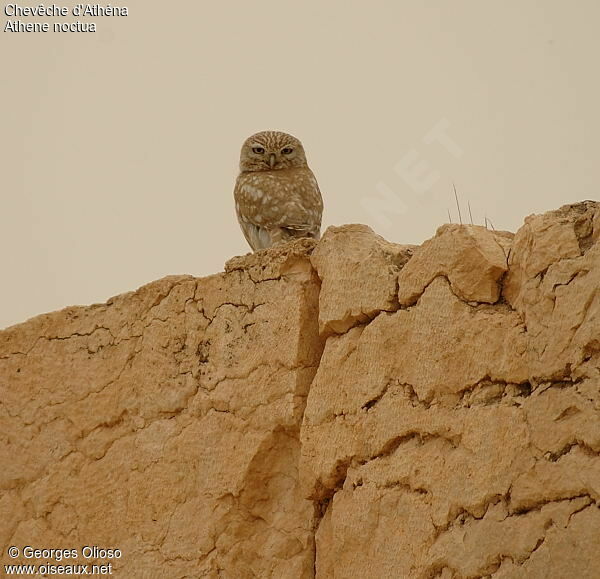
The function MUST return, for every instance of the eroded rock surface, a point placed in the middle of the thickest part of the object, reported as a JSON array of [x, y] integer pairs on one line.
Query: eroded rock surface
[[472, 258], [359, 276], [166, 423], [351, 409]]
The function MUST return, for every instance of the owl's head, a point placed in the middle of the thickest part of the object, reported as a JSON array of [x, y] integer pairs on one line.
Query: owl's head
[[270, 151]]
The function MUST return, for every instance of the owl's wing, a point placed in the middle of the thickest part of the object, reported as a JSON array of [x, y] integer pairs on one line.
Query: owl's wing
[[302, 205]]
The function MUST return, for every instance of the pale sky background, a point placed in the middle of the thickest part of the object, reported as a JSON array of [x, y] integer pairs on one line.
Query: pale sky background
[[119, 148]]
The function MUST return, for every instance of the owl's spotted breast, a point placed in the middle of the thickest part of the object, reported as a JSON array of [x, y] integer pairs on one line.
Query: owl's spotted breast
[[286, 198]]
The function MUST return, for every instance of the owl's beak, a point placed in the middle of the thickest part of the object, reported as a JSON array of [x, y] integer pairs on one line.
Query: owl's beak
[[272, 160]]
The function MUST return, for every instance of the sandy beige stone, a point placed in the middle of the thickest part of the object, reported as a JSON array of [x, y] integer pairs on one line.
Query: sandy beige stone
[[556, 292], [165, 423], [475, 425], [472, 258], [351, 408], [358, 271]]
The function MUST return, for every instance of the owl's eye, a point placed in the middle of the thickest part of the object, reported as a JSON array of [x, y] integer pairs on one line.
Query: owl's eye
[[258, 150], [287, 150]]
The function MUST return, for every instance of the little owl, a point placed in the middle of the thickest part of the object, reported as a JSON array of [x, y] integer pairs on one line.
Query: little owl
[[276, 194]]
